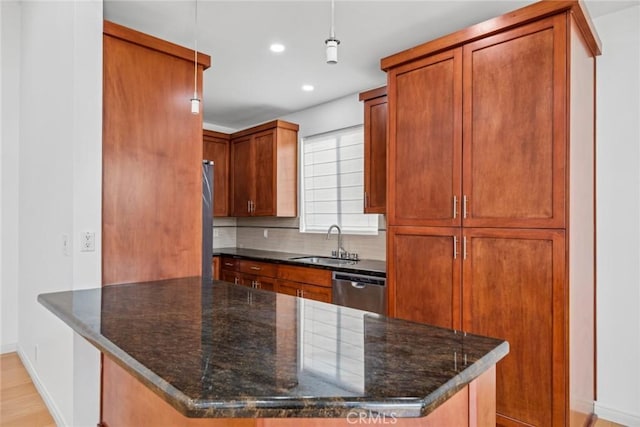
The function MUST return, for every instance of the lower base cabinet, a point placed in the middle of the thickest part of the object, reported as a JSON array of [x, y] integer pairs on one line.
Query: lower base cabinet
[[508, 284], [305, 290], [303, 282]]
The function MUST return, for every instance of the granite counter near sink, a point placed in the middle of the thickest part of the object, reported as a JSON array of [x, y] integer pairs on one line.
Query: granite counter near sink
[[210, 349], [363, 266]]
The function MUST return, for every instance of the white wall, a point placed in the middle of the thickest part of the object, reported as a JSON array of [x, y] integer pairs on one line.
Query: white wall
[[59, 175], [618, 217], [9, 130]]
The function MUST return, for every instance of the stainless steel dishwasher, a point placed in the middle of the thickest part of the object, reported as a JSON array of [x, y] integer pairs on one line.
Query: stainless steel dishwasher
[[359, 291]]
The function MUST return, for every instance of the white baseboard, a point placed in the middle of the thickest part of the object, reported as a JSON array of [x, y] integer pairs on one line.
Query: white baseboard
[[8, 348], [46, 397], [611, 414]]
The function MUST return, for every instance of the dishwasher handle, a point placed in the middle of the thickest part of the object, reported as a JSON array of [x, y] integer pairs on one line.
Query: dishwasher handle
[[358, 285]]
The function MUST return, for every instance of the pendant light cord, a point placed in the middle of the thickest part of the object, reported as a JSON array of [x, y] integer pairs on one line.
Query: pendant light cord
[[332, 35], [195, 50]]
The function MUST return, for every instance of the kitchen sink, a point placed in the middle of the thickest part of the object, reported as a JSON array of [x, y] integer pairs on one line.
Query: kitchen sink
[[320, 260]]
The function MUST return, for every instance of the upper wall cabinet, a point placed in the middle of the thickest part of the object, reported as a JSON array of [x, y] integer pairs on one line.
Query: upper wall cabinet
[[215, 147], [264, 170], [375, 150]]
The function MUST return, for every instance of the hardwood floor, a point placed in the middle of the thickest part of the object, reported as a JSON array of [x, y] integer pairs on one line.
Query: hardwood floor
[[20, 403]]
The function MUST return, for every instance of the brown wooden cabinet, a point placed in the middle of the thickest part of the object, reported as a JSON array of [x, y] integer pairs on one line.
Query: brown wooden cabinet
[[425, 151], [375, 149], [513, 288], [255, 274], [424, 278], [264, 177], [491, 164], [305, 290], [304, 282], [215, 147]]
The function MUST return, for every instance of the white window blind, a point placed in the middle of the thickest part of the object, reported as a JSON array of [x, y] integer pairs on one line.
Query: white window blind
[[332, 183]]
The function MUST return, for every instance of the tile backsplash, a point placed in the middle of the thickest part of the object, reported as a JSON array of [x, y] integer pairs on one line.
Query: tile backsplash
[[283, 234]]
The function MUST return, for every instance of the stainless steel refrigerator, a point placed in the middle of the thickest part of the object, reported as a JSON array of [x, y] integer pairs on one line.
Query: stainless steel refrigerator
[[207, 218]]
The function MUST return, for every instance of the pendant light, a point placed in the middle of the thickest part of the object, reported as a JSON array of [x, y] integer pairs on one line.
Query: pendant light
[[332, 42], [195, 101]]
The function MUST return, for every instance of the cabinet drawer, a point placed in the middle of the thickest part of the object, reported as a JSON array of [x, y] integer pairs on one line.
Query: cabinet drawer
[[315, 276], [229, 264], [304, 290], [258, 268]]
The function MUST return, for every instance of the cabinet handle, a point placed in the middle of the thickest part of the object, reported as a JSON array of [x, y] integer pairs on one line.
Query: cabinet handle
[[249, 206], [258, 285], [253, 267], [253, 206], [235, 280], [228, 264], [464, 247], [455, 207], [464, 206], [455, 247]]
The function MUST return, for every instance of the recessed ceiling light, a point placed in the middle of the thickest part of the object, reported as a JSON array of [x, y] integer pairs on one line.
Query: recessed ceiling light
[[307, 88], [277, 47]]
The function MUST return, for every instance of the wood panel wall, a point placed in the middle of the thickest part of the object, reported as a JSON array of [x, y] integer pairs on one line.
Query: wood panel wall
[[152, 157]]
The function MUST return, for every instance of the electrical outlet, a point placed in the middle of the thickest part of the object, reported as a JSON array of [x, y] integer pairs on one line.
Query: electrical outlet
[[215, 232], [87, 241], [265, 233], [66, 245]]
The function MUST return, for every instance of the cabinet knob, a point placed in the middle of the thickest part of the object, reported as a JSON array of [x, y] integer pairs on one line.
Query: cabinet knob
[[254, 267]]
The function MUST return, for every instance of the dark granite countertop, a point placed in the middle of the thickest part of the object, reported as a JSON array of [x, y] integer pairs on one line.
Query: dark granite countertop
[[214, 349], [364, 266]]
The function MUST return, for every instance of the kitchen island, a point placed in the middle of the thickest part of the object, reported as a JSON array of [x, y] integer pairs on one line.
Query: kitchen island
[[199, 353]]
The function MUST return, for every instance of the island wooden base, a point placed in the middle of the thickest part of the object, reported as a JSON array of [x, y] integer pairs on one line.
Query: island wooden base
[[128, 402]]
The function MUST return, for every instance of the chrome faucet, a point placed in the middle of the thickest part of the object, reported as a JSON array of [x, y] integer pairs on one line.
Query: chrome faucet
[[340, 252]]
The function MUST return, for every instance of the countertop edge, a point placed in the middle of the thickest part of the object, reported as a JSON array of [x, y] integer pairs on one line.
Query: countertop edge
[[282, 407], [169, 394]]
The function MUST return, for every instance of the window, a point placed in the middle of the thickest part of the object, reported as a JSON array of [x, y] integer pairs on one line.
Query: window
[[332, 183]]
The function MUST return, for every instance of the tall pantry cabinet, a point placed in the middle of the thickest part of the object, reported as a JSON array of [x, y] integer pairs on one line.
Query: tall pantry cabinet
[[490, 200]]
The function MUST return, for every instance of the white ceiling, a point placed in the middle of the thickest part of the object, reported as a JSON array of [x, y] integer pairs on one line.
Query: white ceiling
[[247, 84]]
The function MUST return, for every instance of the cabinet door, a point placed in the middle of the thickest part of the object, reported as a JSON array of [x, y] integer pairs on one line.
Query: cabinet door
[[264, 164], [305, 290], [289, 288], [217, 149], [317, 293], [423, 275], [266, 283], [229, 276], [375, 155], [215, 267], [242, 176], [514, 127], [513, 289], [425, 141]]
